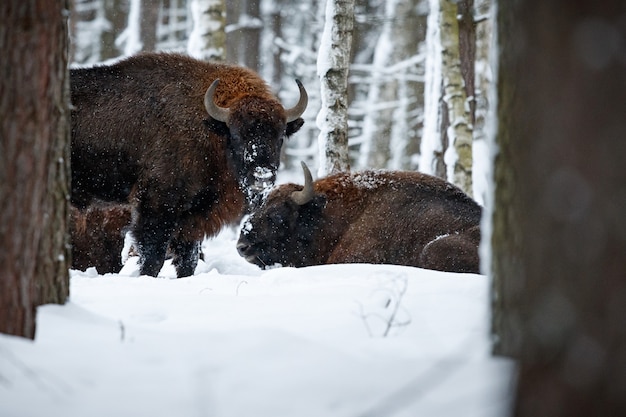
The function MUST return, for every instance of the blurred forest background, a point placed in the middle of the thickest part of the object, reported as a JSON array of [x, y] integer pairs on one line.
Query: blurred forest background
[[402, 51]]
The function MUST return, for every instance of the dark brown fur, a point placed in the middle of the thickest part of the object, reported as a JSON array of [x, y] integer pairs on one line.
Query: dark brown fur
[[404, 218], [141, 135], [97, 235]]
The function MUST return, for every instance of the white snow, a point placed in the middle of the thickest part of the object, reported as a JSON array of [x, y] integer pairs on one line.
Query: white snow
[[234, 340]]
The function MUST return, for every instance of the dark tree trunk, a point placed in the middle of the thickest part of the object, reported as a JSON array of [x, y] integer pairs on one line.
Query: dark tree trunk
[[467, 48], [233, 37], [559, 226], [34, 158], [243, 42], [148, 24], [251, 36], [117, 15]]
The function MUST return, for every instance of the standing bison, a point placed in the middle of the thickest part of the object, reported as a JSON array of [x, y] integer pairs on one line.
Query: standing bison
[[403, 218], [189, 144]]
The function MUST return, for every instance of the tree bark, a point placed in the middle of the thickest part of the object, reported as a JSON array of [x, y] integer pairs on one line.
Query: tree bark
[[458, 155], [148, 22], [34, 155], [332, 67], [244, 33], [559, 231], [117, 17], [251, 34]]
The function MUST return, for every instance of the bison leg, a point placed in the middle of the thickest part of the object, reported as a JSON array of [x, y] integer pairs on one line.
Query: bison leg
[[152, 235], [185, 257]]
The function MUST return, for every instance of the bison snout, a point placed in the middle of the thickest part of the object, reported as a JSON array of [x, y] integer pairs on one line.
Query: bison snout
[[247, 252], [243, 248]]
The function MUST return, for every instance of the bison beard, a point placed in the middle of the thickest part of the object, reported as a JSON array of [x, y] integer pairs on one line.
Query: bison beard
[[404, 218], [190, 145]]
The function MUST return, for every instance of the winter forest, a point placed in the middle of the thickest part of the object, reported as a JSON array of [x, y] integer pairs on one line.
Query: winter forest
[[391, 122], [520, 104]]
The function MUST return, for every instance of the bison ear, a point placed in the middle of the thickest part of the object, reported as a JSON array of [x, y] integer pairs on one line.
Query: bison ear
[[293, 127]]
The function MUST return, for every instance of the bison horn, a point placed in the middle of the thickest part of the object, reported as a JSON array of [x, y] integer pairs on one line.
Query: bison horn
[[220, 114], [297, 110], [306, 194]]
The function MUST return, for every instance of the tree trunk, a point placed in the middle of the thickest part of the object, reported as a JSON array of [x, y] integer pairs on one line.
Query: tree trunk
[[117, 17], [559, 234], [447, 139], [233, 34], [251, 34], [244, 31], [34, 155], [332, 67], [458, 155], [148, 22], [207, 40], [276, 26]]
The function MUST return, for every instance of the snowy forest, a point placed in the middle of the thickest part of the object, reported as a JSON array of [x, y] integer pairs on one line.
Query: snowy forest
[[521, 104], [391, 122]]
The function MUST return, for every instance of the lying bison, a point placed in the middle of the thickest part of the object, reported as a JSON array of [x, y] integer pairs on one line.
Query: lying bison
[[189, 144], [97, 235], [404, 218]]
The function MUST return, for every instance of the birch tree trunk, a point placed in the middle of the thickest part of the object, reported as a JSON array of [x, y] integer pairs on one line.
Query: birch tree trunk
[[207, 40], [34, 161], [559, 234], [433, 137], [332, 67], [458, 155]]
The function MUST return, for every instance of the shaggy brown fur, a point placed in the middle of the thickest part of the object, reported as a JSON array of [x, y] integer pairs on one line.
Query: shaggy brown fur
[[97, 235], [141, 135], [404, 218]]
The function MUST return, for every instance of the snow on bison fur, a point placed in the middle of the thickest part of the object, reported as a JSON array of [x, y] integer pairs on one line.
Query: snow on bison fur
[[190, 145], [392, 217]]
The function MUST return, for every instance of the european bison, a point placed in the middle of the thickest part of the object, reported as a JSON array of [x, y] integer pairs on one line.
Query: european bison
[[189, 144], [393, 217], [97, 235]]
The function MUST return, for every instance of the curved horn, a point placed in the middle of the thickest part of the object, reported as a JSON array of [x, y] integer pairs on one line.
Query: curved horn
[[220, 114], [297, 110], [306, 194]]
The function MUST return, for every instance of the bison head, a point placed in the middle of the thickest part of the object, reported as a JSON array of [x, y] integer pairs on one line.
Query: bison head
[[257, 127], [284, 229]]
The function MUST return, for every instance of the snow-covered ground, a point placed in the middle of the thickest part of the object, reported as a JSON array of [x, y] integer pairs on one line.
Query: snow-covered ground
[[233, 340]]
